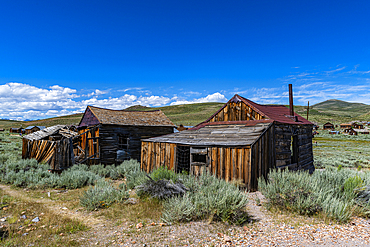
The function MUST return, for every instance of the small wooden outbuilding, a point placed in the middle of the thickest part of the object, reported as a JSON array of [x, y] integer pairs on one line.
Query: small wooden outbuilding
[[115, 135], [328, 126], [52, 145], [241, 141], [31, 129], [16, 130], [357, 126], [345, 126]]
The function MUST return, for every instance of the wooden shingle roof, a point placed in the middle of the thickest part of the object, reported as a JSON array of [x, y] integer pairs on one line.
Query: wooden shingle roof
[[95, 115], [217, 135]]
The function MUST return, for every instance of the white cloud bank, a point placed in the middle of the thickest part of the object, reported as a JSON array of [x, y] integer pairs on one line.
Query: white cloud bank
[[20, 101], [216, 97]]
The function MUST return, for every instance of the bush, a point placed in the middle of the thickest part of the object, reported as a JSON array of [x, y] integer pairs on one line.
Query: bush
[[73, 179], [331, 191], [163, 173], [210, 198], [102, 195], [160, 189]]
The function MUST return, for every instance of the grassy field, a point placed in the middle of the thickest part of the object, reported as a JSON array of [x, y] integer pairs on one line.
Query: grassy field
[[334, 111]]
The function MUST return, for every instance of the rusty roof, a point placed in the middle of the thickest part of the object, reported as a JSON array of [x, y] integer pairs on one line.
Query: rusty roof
[[221, 134], [277, 113], [125, 117]]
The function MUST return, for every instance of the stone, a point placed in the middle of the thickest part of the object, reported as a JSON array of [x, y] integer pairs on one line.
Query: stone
[[37, 219]]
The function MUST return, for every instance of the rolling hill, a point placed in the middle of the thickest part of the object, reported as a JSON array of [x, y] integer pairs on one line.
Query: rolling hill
[[336, 111]]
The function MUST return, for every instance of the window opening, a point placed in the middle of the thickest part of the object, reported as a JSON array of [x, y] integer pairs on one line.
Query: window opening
[[294, 149], [123, 152], [199, 156], [183, 159]]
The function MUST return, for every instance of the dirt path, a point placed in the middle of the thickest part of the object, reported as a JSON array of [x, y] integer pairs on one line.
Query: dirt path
[[265, 229], [55, 207]]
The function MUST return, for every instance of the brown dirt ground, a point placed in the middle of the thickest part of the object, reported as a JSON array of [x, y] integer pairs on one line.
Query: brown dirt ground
[[264, 229]]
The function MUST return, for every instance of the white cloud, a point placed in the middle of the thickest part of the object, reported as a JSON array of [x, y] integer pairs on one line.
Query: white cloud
[[20, 101], [216, 97]]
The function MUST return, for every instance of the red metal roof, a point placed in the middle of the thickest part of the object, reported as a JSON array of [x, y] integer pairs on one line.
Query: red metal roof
[[277, 113]]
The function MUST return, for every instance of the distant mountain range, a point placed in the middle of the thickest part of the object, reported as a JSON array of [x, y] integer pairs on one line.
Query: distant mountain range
[[336, 111]]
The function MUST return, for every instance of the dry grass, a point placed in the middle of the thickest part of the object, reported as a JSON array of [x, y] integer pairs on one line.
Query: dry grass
[[51, 230], [145, 211]]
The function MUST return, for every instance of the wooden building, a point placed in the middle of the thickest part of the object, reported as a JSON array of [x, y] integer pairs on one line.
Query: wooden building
[[241, 141], [357, 126], [328, 126], [16, 130], [345, 126], [31, 129], [53, 145], [115, 135]]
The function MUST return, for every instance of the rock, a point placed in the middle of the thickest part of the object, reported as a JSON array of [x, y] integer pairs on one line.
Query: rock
[[24, 217], [3, 219], [131, 201], [37, 219], [25, 234], [64, 208], [139, 225], [227, 239]]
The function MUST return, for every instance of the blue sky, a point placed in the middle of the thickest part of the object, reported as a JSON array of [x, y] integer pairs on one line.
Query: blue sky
[[57, 57]]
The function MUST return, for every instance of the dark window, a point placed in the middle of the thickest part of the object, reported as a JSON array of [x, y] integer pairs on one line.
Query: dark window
[[198, 155], [294, 148], [123, 142], [183, 159], [199, 158], [123, 152]]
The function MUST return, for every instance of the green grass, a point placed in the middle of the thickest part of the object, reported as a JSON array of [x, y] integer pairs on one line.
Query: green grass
[[347, 151]]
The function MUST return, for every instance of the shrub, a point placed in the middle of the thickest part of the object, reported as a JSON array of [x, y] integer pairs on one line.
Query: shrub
[[163, 173], [350, 185], [208, 197], [330, 191], [102, 195], [73, 179], [160, 189]]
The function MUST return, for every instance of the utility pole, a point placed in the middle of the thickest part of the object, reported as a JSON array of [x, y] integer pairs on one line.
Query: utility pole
[[308, 108]]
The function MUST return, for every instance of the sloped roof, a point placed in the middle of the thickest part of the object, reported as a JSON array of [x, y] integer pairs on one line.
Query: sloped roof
[[38, 135], [32, 126], [277, 113], [221, 134], [124, 117]]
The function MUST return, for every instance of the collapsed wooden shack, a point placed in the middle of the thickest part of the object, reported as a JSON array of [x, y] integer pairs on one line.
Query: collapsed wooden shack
[[113, 136], [52, 145], [241, 141]]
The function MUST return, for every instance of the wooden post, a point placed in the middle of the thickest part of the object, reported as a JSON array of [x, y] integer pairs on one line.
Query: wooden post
[[291, 100], [308, 108]]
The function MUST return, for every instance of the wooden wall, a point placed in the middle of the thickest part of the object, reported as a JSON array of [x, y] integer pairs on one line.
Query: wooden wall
[[236, 112], [263, 158], [228, 163], [59, 154], [156, 154], [88, 146], [109, 140], [283, 136]]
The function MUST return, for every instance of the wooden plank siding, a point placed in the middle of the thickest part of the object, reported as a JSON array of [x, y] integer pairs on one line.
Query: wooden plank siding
[[231, 164], [236, 112]]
